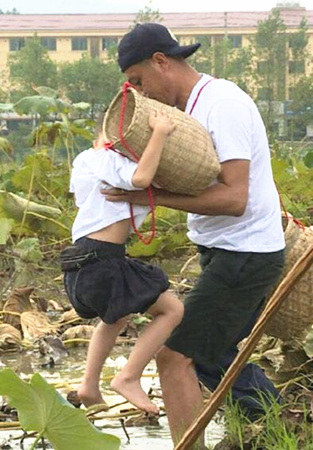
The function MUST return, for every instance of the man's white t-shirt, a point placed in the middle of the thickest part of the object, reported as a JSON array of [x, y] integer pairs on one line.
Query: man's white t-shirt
[[238, 132], [94, 170]]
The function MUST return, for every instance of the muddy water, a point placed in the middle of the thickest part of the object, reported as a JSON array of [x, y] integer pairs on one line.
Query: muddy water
[[66, 375]]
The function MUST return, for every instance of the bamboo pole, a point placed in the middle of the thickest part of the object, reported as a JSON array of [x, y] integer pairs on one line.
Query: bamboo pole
[[199, 424]]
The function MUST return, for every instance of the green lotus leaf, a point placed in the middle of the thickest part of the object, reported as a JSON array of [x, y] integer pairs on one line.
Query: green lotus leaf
[[41, 408]]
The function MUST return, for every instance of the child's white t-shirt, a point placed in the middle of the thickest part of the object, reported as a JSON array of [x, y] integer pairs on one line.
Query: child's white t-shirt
[[238, 132], [101, 169]]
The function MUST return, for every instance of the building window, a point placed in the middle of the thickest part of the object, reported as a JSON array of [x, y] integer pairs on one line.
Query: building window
[[296, 67], [79, 44], [236, 40], [49, 43], [108, 42], [16, 44]]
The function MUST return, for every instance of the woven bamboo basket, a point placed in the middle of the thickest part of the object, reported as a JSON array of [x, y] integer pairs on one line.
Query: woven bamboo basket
[[294, 318], [189, 161]]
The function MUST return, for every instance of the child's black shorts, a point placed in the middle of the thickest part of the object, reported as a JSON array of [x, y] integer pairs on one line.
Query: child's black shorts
[[114, 286]]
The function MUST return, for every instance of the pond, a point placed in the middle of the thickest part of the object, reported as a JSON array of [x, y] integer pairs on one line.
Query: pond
[[66, 375]]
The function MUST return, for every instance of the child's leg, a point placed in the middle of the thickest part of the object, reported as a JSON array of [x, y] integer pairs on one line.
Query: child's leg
[[101, 344], [167, 312]]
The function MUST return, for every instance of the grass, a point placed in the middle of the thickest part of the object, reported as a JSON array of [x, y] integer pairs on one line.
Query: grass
[[283, 427]]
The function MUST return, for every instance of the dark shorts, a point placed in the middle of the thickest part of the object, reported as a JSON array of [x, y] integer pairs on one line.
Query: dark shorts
[[231, 286], [114, 286]]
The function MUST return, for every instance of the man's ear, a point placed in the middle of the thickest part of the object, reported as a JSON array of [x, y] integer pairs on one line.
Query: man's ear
[[160, 59]]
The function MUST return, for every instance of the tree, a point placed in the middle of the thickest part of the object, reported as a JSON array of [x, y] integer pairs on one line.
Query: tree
[[14, 11], [298, 42], [270, 44], [31, 66], [90, 80], [147, 14], [278, 54], [221, 59], [302, 102], [203, 59]]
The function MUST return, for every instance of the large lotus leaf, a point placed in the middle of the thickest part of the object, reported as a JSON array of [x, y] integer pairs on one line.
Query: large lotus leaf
[[39, 104], [6, 107], [138, 248], [41, 408], [29, 250], [46, 91]]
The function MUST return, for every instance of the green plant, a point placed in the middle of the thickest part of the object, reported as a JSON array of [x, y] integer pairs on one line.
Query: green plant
[[42, 409], [272, 431]]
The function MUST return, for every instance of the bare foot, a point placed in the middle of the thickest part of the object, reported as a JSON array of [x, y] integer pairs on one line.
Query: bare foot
[[133, 392], [90, 396]]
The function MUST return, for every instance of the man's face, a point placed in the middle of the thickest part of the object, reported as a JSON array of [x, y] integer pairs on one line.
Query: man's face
[[150, 79]]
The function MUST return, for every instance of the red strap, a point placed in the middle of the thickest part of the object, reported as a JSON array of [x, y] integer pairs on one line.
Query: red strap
[[198, 94]]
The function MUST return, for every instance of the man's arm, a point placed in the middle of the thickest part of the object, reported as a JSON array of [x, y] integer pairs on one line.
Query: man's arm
[[228, 196]]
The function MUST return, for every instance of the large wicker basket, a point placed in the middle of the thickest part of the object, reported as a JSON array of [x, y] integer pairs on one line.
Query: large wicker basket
[[189, 162], [295, 316]]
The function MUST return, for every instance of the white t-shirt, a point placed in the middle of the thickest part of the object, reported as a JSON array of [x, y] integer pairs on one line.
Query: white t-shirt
[[238, 132], [92, 171]]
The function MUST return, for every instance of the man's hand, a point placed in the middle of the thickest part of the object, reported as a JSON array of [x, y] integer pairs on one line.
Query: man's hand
[[120, 195]]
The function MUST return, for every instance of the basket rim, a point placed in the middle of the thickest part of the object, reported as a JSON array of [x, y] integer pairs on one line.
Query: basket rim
[[115, 102]]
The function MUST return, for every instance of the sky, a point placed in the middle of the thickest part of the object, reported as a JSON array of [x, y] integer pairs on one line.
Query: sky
[[134, 6]]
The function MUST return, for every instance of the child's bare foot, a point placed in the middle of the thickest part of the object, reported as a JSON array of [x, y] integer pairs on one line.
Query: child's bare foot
[[133, 392], [90, 396]]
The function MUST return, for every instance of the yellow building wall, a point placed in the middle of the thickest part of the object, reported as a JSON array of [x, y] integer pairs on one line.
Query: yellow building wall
[[64, 52]]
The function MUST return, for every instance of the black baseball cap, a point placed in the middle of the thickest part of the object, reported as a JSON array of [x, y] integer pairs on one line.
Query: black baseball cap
[[147, 38]]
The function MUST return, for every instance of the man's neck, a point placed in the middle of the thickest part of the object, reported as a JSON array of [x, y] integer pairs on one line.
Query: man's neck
[[189, 80]]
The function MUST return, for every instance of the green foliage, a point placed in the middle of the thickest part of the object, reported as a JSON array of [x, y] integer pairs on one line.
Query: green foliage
[[31, 66], [148, 14], [138, 248], [39, 170], [28, 250], [42, 409], [270, 432], [5, 147], [171, 229], [38, 104], [270, 44], [294, 182], [302, 102], [90, 80], [5, 229], [30, 218], [14, 11]]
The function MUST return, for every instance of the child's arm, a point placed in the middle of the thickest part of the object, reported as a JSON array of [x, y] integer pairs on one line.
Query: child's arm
[[162, 126]]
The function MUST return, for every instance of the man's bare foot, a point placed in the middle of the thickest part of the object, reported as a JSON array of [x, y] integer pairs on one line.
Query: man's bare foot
[[133, 392], [90, 397]]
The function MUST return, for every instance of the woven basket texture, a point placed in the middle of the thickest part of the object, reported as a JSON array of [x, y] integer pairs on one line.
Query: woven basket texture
[[295, 316], [189, 161]]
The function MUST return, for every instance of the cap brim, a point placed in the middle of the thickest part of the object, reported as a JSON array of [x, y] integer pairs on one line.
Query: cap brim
[[185, 50]]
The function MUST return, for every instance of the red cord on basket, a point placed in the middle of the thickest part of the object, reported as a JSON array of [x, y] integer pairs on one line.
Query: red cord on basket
[[142, 238]]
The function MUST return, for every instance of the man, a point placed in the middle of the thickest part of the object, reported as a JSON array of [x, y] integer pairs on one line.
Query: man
[[235, 222]]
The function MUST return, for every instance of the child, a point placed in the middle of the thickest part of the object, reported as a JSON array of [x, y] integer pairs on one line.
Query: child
[[110, 285]]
